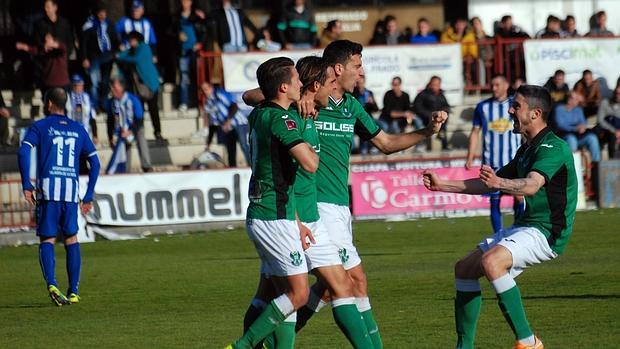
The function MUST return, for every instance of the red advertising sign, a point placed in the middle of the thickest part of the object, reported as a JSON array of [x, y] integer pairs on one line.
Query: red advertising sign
[[388, 189]]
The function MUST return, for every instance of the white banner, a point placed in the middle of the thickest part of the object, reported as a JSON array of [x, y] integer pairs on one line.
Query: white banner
[[601, 56], [170, 198], [415, 64]]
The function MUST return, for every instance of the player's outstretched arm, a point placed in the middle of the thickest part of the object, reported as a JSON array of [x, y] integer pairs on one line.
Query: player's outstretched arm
[[520, 186], [433, 182], [253, 97], [305, 156], [391, 143], [474, 136]]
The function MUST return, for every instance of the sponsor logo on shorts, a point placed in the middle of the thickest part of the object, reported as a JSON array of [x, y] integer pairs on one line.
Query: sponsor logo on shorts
[[344, 256], [511, 240], [296, 258]]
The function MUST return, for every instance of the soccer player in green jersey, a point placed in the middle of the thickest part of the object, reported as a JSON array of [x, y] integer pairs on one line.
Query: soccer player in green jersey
[[319, 81], [336, 124], [543, 171], [277, 148]]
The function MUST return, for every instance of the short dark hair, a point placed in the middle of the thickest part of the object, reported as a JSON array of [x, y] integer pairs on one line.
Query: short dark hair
[[505, 18], [499, 76], [340, 51], [57, 96], [135, 35], [422, 19], [331, 24], [552, 18], [536, 97], [400, 81], [600, 14], [569, 17], [273, 73], [311, 69], [434, 77], [388, 19], [587, 71], [559, 72]]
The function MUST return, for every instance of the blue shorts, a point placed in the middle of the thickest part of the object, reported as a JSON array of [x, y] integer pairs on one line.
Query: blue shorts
[[57, 216]]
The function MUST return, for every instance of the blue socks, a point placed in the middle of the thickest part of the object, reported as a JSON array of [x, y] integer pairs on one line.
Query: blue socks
[[496, 213], [74, 264], [519, 208], [47, 262]]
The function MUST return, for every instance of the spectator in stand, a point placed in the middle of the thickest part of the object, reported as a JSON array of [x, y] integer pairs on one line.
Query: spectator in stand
[[432, 99], [80, 107], [458, 32], [570, 27], [228, 24], [558, 88], [125, 124], [137, 23], [393, 35], [608, 127], [296, 27], [552, 30], [508, 30], [573, 128], [266, 43], [4, 122], [99, 41], [367, 100], [188, 29], [54, 61], [56, 25], [590, 92], [378, 34], [223, 111], [332, 32], [145, 77], [486, 54], [425, 33], [600, 30], [396, 113]]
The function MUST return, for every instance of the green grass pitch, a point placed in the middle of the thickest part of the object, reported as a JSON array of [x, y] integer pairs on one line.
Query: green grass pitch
[[191, 291]]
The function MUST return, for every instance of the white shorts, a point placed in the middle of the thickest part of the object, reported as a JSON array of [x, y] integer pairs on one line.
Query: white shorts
[[527, 245], [323, 252], [337, 221], [278, 246]]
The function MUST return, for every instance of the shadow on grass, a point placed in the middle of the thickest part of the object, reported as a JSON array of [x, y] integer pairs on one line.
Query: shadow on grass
[[26, 306]]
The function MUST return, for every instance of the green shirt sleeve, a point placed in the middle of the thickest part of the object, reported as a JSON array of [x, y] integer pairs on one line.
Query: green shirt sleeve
[[549, 159], [365, 125], [286, 129]]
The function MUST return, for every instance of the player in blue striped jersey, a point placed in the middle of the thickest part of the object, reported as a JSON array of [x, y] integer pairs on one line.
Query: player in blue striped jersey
[[499, 143], [59, 142]]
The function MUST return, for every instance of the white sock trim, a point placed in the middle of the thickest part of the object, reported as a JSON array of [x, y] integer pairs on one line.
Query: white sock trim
[[363, 304], [315, 302], [284, 305], [467, 285], [531, 340], [503, 283], [291, 318], [343, 301], [259, 303]]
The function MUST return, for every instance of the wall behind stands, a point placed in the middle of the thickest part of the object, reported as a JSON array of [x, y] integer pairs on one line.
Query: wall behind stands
[[359, 22], [531, 15]]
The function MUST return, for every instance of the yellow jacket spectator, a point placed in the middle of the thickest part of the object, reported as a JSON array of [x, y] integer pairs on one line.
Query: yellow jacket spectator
[[458, 32]]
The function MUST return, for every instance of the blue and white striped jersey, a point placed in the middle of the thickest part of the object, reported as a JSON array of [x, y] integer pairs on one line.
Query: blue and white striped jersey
[[217, 106], [80, 109], [143, 26], [499, 143], [124, 111], [60, 142]]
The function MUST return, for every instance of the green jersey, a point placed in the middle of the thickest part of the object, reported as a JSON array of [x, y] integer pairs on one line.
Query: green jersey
[[305, 183], [273, 132], [552, 209], [336, 125]]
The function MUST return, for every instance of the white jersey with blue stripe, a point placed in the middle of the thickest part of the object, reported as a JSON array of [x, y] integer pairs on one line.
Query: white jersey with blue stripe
[[499, 143], [59, 142], [80, 109], [143, 26], [217, 106]]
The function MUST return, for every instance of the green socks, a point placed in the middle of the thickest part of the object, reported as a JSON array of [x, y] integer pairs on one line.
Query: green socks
[[350, 322], [373, 329], [512, 308], [266, 323], [466, 312], [283, 337]]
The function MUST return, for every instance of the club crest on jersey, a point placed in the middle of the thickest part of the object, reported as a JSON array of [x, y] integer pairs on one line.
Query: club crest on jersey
[[296, 258], [346, 113], [290, 124]]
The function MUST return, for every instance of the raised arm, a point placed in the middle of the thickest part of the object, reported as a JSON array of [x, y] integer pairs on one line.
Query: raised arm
[[391, 143], [253, 97]]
